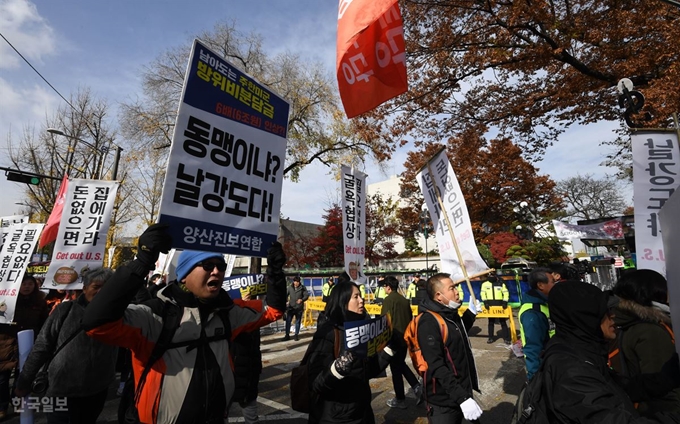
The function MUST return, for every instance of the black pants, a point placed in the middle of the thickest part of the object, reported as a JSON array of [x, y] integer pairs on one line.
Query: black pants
[[81, 410], [399, 369], [444, 414], [504, 328]]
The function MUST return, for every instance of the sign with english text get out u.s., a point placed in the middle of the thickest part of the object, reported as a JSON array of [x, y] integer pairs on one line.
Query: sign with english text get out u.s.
[[223, 184]]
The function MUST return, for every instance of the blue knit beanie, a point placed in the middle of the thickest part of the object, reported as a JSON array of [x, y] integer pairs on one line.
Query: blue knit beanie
[[188, 260]]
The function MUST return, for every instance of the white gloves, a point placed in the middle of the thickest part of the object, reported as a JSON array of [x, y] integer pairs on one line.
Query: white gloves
[[471, 411], [474, 307]]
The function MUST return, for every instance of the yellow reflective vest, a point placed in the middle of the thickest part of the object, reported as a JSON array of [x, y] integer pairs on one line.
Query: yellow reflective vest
[[411, 292], [535, 306], [494, 292]]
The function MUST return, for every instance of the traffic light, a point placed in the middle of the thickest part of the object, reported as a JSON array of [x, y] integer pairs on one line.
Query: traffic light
[[20, 177]]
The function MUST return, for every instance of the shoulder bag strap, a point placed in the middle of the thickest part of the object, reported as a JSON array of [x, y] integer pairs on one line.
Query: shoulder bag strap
[[68, 339]]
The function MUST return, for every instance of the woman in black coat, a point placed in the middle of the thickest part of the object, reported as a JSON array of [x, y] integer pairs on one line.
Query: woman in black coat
[[339, 379]]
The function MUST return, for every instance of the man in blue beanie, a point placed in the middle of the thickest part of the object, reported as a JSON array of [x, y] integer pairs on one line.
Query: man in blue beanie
[[192, 380]]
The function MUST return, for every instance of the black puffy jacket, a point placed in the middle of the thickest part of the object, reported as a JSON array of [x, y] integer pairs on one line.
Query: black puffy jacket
[[346, 400], [580, 385], [446, 383]]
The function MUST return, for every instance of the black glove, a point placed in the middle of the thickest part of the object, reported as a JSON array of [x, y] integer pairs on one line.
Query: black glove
[[504, 304], [276, 259], [152, 242], [343, 365]]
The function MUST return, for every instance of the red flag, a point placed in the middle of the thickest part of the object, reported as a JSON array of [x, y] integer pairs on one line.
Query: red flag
[[371, 58], [51, 229]]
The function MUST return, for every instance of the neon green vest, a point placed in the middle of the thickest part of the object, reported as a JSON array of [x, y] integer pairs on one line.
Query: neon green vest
[[411, 292], [535, 306]]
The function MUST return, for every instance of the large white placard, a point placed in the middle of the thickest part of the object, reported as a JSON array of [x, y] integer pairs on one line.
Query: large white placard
[[14, 258], [83, 228], [656, 170], [446, 183], [353, 188], [223, 184]]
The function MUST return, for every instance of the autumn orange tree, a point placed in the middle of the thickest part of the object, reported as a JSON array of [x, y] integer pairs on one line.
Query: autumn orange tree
[[529, 69], [494, 178]]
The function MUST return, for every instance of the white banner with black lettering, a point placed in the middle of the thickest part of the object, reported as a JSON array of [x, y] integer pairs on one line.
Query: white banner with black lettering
[[83, 228], [353, 188], [6, 221], [656, 175], [222, 190], [14, 258], [444, 179]]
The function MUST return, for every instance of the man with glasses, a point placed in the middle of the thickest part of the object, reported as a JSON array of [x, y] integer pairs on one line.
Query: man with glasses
[[191, 380]]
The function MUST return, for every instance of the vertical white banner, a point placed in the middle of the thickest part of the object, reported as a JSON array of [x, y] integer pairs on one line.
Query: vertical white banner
[[656, 170], [6, 221], [82, 233], [353, 188], [445, 180], [14, 258]]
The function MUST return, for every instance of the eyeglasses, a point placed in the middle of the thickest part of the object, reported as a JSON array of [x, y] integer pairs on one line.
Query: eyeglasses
[[209, 266]]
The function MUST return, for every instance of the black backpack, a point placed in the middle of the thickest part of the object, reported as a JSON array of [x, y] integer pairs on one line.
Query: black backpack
[[532, 403], [172, 316]]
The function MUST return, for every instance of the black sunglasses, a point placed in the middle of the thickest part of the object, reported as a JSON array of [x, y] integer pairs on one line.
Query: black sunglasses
[[209, 266]]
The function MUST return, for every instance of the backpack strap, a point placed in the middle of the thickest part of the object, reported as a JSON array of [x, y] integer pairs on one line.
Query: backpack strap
[[171, 317]]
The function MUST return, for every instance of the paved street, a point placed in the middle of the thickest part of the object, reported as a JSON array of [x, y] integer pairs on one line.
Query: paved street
[[501, 375]]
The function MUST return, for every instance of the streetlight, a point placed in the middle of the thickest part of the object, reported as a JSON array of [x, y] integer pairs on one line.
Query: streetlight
[[526, 219], [116, 160], [424, 216]]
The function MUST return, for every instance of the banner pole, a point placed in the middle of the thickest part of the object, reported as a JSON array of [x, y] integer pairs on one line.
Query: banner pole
[[453, 236]]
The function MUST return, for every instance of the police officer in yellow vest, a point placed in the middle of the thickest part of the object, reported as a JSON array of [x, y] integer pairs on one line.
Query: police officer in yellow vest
[[495, 293], [362, 290], [380, 293], [413, 289], [535, 325], [327, 287], [461, 293]]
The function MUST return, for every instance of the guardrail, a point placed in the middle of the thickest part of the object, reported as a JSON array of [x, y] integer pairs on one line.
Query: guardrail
[[376, 309]]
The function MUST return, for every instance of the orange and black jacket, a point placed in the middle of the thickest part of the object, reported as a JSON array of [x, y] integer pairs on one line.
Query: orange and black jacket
[[187, 384]]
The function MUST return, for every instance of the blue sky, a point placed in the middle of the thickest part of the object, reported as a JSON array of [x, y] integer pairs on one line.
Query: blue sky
[[104, 45]]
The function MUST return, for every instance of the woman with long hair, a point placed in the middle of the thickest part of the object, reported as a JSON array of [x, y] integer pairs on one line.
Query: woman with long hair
[[339, 378]]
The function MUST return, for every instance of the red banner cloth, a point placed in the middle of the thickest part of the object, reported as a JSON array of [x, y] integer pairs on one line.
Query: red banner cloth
[[371, 58], [51, 229]]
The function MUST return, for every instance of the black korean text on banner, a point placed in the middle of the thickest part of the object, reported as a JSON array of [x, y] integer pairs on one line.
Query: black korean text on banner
[[443, 182], [14, 259], [81, 239], [656, 166], [368, 337], [222, 190], [353, 188]]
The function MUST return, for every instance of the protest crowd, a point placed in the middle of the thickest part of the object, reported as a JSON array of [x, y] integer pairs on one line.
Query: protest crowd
[[186, 348], [593, 356]]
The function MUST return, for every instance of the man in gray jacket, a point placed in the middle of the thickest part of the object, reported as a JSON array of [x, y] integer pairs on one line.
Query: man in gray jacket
[[297, 296]]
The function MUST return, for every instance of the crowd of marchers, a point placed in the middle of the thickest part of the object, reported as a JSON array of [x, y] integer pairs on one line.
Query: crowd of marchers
[[186, 351]]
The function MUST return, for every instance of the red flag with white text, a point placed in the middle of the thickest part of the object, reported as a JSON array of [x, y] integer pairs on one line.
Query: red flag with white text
[[371, 56], [51, 229]]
